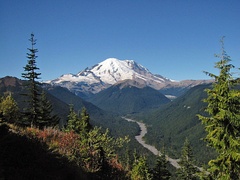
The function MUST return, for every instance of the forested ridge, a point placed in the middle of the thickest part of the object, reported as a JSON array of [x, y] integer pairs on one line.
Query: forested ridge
[[169, 125]]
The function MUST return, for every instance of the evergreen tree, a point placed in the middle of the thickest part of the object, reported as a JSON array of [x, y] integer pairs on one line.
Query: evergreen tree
[[9, 109], [85, 120], [72, 120], [45, 117], [81, 124], [127, 161], [140, 169], [223, 122], [33, 94], [160, 170], [187, 171]]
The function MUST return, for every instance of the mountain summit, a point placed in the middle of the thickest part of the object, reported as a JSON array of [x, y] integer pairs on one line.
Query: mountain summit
[[108, 72]]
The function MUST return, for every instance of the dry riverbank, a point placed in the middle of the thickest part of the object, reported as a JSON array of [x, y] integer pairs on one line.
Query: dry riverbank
[[139, 138]]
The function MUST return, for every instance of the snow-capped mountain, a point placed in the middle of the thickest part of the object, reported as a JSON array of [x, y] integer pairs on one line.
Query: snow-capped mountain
[[107, 73]]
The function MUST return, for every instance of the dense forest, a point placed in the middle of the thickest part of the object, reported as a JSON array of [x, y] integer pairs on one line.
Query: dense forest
[[37, 143]]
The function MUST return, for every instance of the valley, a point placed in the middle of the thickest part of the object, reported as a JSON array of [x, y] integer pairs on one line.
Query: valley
[[173, 122], [139, 138]]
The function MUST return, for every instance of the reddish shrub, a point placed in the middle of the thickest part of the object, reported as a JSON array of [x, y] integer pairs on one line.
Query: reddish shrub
[[68, 143]]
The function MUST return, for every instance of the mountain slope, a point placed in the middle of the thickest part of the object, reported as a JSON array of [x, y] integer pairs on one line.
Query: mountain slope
[[178, 89], [24, 158], [128, 97], [170, 125], [107, 73], [14, 85], [60, 98], [98, 117]]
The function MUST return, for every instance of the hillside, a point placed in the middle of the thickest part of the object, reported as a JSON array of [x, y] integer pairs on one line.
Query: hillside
[[128, 97], [60, 98], [14, 85], [22, 158], [171, 124], [117, 126], [98, 117]]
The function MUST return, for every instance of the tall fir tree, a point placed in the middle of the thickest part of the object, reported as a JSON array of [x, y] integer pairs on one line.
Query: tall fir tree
[[46, 118], [85, 121], [187, 170], [72, 120], [223, 123], [33, 91], [160, 170]]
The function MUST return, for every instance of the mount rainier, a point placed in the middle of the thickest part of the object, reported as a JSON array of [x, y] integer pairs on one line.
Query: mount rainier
[[111, 71]]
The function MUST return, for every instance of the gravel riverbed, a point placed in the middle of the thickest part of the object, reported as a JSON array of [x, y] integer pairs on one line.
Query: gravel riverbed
[[139, 138]]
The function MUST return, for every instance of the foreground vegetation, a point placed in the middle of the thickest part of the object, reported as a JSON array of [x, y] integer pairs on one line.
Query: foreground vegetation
[[49, 153], [24, 158], [223, 123], [94, 155]]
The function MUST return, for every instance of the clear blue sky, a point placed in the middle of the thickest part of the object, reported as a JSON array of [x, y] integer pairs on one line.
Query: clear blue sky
[[174, 38]]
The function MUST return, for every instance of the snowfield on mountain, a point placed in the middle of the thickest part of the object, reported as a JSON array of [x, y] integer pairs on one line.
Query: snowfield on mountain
[[111, 71]]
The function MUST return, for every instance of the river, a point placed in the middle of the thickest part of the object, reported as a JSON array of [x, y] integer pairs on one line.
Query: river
[[139, 138]]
